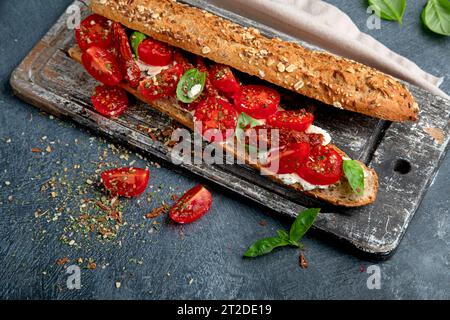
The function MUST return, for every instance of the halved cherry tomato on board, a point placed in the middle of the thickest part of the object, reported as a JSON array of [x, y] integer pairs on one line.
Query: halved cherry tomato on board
[[191, 206], [257, 101], [323, 167], [223, 79], [110, 101], [96, 31], [129, 67], [163, 84], [214, 116], [126, 182], [102, 65], [298, 120], [155, 53], [291, 157]]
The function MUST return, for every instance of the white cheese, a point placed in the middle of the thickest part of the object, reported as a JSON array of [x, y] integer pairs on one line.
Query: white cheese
[[318, 130], [195, 90], [293, 178], [152, 71]]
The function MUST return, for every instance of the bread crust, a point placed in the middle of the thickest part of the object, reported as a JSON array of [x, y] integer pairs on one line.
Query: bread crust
[[339, 194], [336, 81]]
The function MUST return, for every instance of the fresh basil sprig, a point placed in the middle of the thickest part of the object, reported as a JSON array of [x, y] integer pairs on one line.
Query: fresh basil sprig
[[136, 39], [436, 16], [191, 85], [301, 225], [355, 175], [389, 9]]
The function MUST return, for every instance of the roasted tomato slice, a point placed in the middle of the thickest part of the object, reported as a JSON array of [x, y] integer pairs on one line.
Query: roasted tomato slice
[[257, 101], [129, 67], [163, 84], [192, 205], [223, 79], [213, 117], [298, 120], [126, 182], [96, 31], [155, 53], [102, 65], [323, 167], [110, 101], [290, 158]]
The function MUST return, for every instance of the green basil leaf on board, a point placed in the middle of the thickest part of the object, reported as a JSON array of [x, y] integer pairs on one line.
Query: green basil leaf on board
[[265, 246], [283, 234], [136, 39], [302, 223], [389, 9], [244, 122], [355, 175], [191, 85], [436, 16]]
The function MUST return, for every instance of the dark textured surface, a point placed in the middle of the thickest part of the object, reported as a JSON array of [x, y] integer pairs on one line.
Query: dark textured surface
[[210, 251]]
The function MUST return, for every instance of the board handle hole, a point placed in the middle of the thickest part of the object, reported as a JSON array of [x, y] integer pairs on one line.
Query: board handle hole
[[402, 166]]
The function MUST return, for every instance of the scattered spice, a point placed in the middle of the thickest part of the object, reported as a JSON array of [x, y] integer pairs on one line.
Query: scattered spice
[[92, 265], [302, 261], [156, 212], [36, 150], [62, 261], [118, 285], [263, 223]]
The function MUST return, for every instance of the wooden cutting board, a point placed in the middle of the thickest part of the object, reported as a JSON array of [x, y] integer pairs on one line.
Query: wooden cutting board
[[406, 156]]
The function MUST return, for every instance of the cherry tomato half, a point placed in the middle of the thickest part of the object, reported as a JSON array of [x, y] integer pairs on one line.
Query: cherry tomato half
[[323, 167], [126, 182], [110, 101], [291, 157], [155, 53], [95, 30], [257, 101], [298, 120], [191, 206], [102, 65], [224, 80], [214, 116], [162, 85], [129, 67]]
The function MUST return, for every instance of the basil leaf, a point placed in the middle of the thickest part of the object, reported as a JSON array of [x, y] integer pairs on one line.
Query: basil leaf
[[244, 121], [191, 85], [355, 175], [302, 223], [283, 234], [265, 246], [136, 39], [436, 16], [389, 9]]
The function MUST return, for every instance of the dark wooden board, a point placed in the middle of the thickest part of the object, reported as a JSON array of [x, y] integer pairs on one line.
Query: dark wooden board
[[49, 79]]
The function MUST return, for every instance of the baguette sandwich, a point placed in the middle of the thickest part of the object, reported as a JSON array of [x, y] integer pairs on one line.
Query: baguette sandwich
[[156, 50]]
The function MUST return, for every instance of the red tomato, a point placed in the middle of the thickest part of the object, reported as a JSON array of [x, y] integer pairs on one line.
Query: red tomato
[[298, 120], [110, 101], [126, 182], [257, 101], [129, 67], [155, 53], [215, 115], [95, 30], [291, 157], [192, 205], [323, 167], [163, 85], [224, 80], [102, 65], [180, 59]]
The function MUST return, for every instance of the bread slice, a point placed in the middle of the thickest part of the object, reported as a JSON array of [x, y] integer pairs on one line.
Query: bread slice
[[338, 194], [336, 81]]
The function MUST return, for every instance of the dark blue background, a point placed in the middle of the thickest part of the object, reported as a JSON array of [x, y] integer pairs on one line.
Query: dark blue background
[[202, 260]]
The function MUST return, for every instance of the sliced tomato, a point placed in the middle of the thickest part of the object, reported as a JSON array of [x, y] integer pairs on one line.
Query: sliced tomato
[[129, 67], [257, 101], [162, 85], [298, 120], [223, 79], [96, 31], [102, 65], [110, 101], [126, 182], [191, 206], [179, 58], [155, 53], [290, 158], [214, 116], [323, 167]]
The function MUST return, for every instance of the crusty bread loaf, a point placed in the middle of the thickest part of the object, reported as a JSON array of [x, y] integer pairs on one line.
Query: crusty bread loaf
[[325, 77], [338, 194]]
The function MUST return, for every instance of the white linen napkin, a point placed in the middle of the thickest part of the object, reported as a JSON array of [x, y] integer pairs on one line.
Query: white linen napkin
[[325, 26]]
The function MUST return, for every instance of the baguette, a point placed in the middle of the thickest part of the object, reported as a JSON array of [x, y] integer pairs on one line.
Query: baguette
[[339, 194], [336, 81]]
